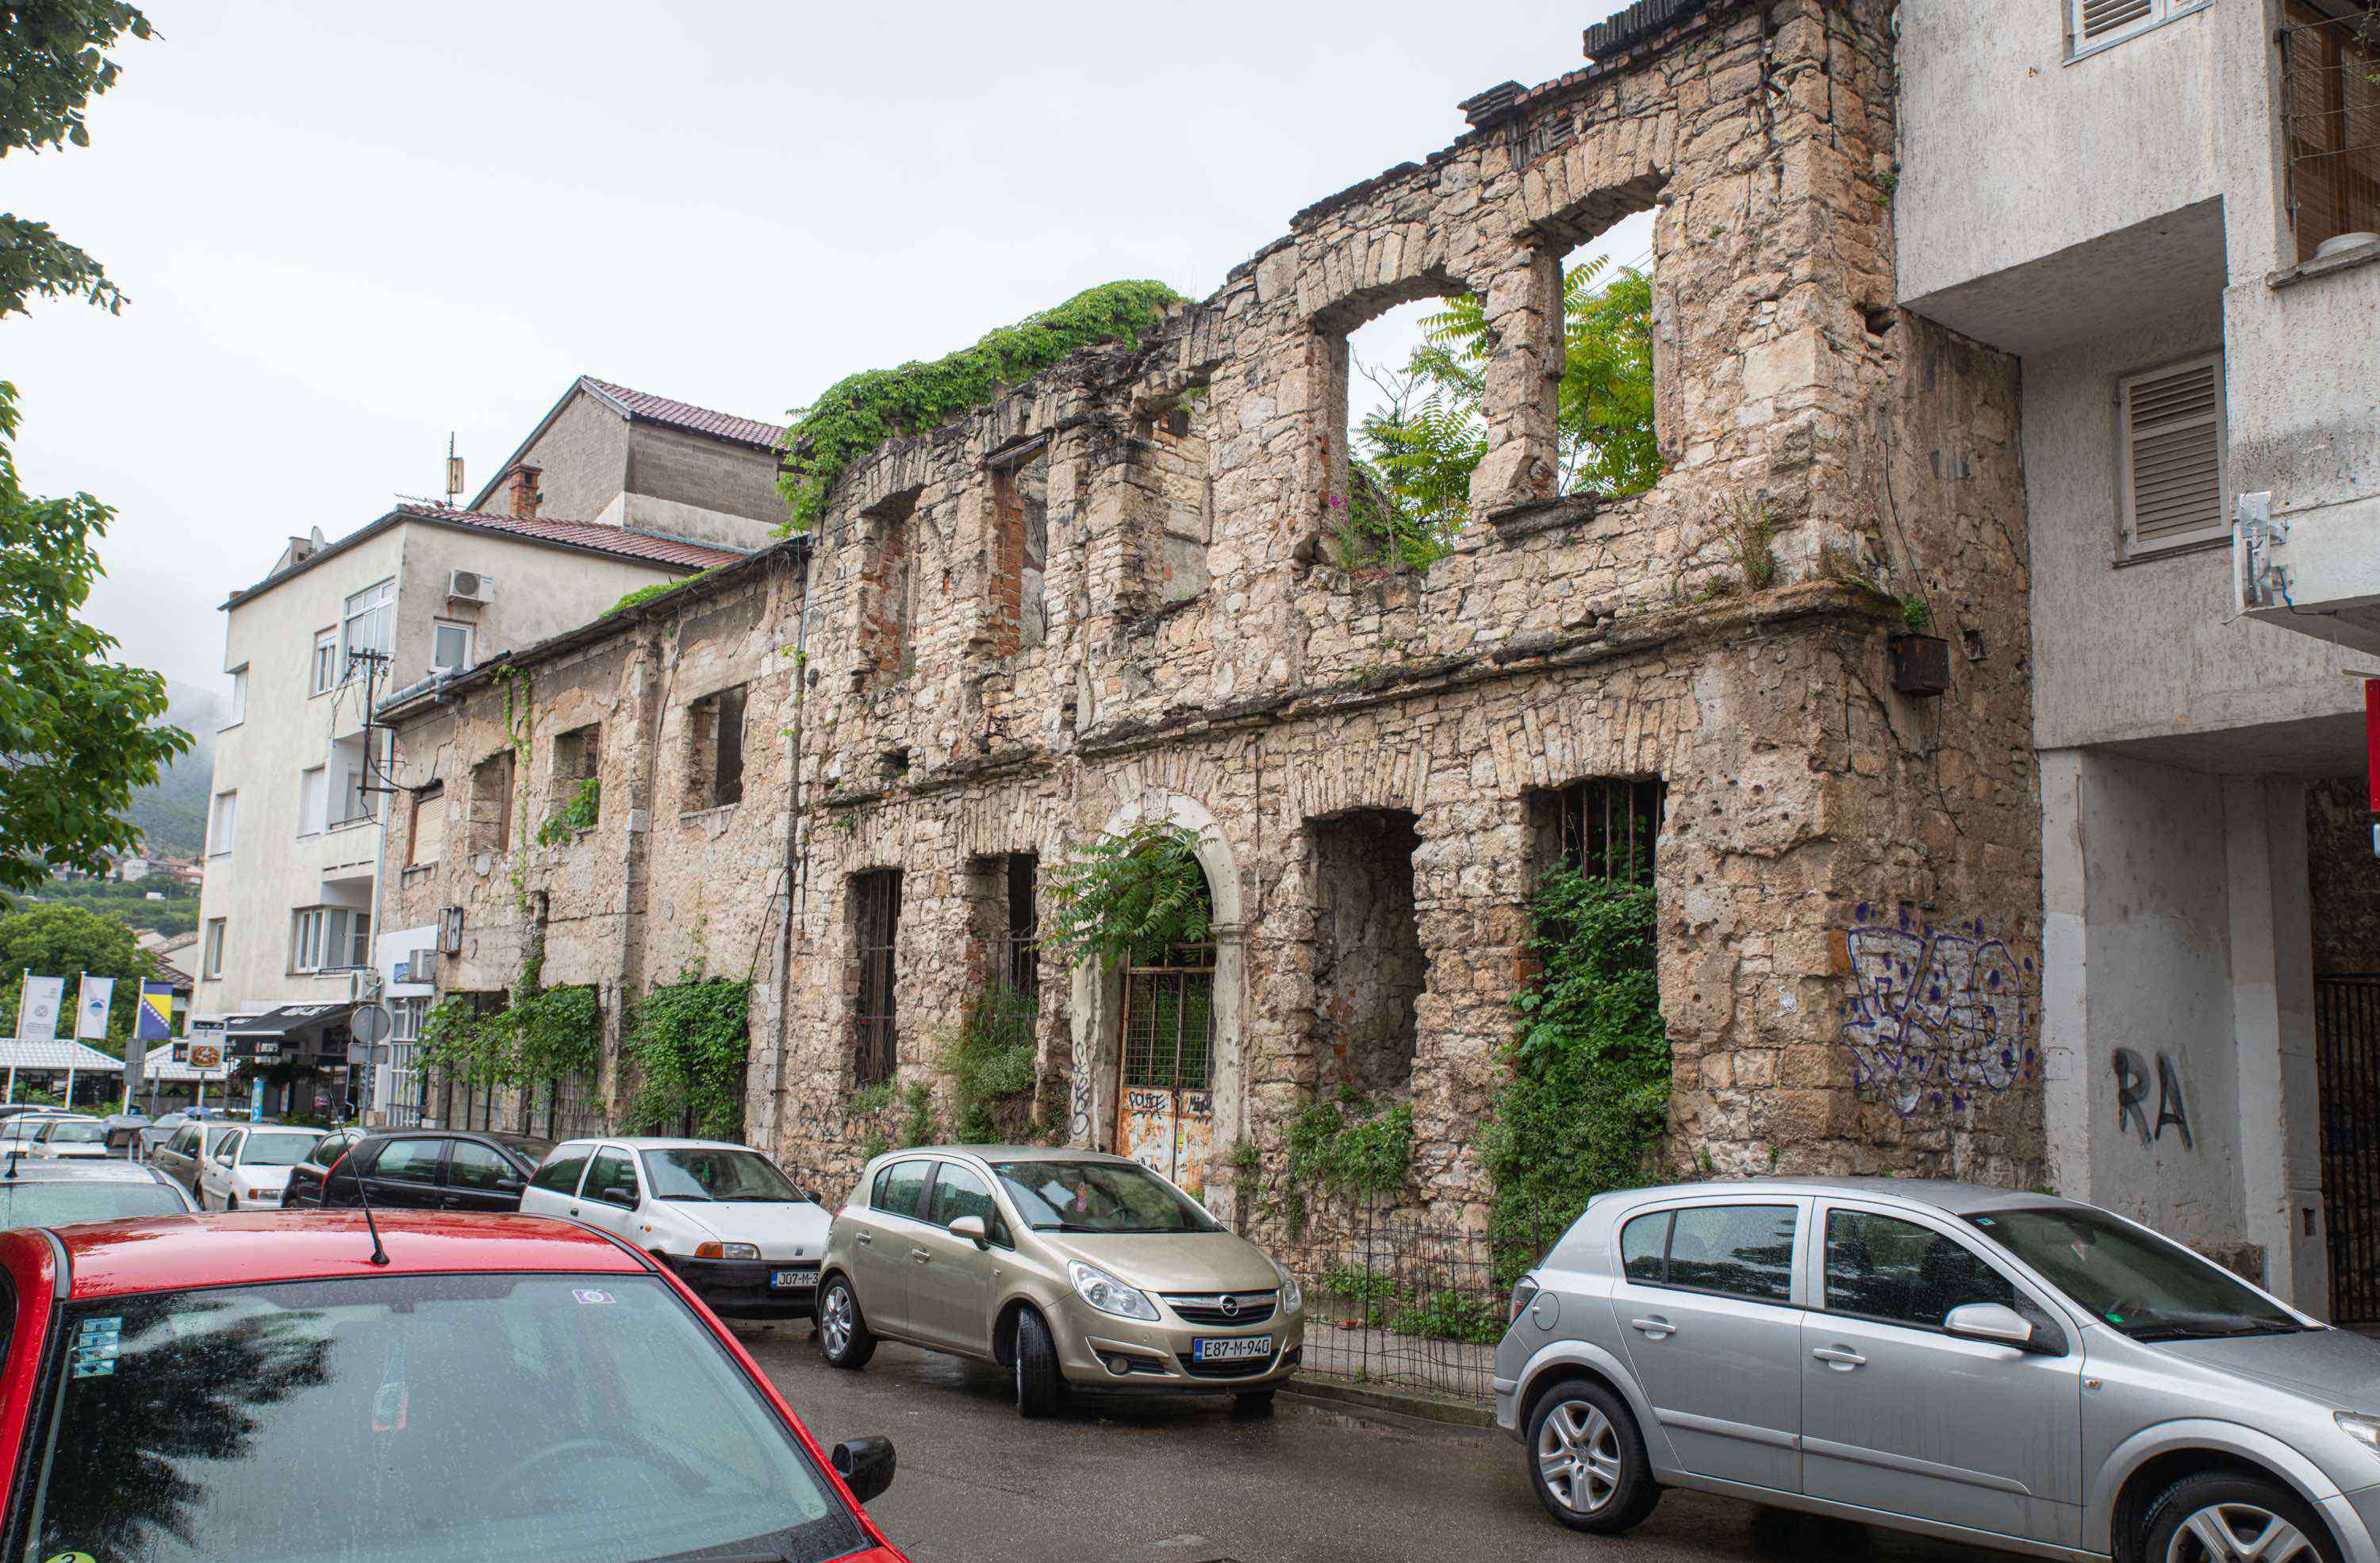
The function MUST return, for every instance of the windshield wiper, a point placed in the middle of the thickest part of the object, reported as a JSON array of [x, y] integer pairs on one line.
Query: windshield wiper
[[2212, 1330]]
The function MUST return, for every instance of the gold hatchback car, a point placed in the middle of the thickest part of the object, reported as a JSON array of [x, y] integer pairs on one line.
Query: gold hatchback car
[[1066, 1266]]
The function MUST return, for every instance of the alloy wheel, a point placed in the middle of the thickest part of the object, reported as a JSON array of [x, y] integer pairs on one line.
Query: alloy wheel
[[834, 1320], [2240, 1533], [1578, 1459]]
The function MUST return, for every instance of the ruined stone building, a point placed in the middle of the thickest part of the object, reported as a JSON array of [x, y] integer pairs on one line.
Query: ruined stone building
[[845, 764]]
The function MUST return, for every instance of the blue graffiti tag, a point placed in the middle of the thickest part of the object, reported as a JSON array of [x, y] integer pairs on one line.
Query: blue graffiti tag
[[1937, 1015]]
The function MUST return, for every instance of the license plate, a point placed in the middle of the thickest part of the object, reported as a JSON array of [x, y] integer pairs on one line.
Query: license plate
[[789, 1280], [1238, 1350]]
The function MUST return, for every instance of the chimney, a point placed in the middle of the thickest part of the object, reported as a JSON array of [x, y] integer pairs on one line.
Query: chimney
[[516, 492]]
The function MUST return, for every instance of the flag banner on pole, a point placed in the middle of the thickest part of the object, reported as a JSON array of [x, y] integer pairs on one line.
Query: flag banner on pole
[[90, 1015], [154, 1020], [43, 998]]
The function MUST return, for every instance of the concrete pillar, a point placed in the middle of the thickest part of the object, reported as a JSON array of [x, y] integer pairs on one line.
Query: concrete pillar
[[2067, 1077]]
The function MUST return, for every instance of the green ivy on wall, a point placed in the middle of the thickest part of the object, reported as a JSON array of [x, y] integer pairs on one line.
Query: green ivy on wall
[[687, 1043], [1346, 1147], [861, 412]]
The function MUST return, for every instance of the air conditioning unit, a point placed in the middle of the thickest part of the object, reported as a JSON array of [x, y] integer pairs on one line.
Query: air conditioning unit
[[469, 586]]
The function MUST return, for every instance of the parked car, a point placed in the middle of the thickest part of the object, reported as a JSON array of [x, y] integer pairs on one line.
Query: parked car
[[1069, 1267], [20, 1131], [721, 1215], [67, 1139], [432, 1169], [124, 1128], [55, 1193], [162, 1129], [250, 1169], [2011, 1369], [513, 1390], [305, 1186], [183, 1156]]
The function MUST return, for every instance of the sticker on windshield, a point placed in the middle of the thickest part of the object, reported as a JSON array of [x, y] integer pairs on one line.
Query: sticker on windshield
[[96, 1341], [589, 1296]]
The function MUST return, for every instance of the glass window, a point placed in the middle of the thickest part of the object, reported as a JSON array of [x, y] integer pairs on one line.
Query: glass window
[[75, 1131], [450, 647], [1098, 1196], [1644, 1248], [223, 824], [322, 676], [239, 696], [897, 1192], [1737, 1250], [474, 1166], [313, 799], [958, 1192], [414, 1161], [261, 1149], [560, 1174], [26, 1204], [365, 627], [227, 1150], [215, 955], [706, 1173], [610, 1169], [2146, 1287], [1878, 1267], [487, 1410]]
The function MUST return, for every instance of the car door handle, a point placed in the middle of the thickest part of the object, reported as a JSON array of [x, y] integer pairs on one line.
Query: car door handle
[[1655, 1326], [863, 1240], [919, 1254], [1842, 1359]]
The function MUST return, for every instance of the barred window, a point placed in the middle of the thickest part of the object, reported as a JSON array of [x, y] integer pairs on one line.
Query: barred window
[[876, 923], [1604, 827]]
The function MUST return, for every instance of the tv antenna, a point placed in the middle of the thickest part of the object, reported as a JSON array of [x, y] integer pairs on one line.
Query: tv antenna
[[454, 472]]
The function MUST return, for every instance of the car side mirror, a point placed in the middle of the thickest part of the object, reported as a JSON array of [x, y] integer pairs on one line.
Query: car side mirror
[[1993, 1321], [625, 1198], [972, 1228], [865, 1465]]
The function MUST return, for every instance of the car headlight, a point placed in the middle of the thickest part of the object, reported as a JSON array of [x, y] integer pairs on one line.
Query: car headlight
[[1109, 1295], [1292, 1301], [728, 1251], [2361, 1426]]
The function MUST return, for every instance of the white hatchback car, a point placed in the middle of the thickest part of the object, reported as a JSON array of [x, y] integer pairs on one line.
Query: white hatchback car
[[248, 1169], [67, 1139], [721, 1216]]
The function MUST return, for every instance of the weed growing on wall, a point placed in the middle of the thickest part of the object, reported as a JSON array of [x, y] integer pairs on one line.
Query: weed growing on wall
[[1344, 1147], [686, 1042], [1588, 1092], [1139, 892], [860, 413], [576, 816], [990, 1063]]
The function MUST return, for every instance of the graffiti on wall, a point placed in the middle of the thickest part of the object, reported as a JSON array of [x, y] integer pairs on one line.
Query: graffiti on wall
[[2132, 1093], [1937, 1015], [1078, 1115]]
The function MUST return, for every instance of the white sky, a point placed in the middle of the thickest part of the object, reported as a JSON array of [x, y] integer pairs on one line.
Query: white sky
[[348, 229]]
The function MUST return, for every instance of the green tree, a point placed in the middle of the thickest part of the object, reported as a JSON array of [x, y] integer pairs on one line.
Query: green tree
[[64, 941], [54, 60], [1415, 452]]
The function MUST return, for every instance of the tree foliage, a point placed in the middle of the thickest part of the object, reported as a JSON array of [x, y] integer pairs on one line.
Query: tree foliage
[[77, 732], [861, 412], [54, 60], [63, 941], [1415, 453], [1137, 892]]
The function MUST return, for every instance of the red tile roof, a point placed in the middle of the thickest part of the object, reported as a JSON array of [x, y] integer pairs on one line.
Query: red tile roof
[[687, 416], [620, 541]]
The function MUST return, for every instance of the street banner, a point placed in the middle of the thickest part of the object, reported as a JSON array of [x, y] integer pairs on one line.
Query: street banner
[[90, 1015], [153, 1022], [37, 1018]]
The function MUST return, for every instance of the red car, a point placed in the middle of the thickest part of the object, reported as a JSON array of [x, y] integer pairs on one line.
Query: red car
[[498, 1388]]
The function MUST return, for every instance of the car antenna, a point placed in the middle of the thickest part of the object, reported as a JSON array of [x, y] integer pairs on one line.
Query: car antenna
[[379, 1253], [16, 1154]]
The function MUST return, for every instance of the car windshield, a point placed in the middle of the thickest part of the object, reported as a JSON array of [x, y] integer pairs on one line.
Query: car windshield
[[25, 1203], [277, 1150], [2143, 1286], [420, 1419], [75, 1131], [1098, 1196], [717, 1173]]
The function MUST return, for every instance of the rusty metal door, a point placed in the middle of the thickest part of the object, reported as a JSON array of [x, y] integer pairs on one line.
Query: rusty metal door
[[1165, 1102]]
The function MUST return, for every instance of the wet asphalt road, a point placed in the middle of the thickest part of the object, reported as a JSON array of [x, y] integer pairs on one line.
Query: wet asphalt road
[[1187, 1481]]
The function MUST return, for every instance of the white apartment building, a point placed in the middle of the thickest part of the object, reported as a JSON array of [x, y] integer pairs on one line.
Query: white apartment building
[[299, 800], [2165, 209]]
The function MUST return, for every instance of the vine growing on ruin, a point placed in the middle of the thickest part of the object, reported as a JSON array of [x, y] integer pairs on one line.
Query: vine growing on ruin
[[861, 412], [686, 1040]]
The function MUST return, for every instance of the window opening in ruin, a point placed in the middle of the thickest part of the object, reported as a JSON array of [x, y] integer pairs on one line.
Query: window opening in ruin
[[491, 803], [425, 837], [1368, 964], [1606, 405], [876, 926], [1165, 1106], [1406, 412], [1174, 490], [1020, 552], [888, 592], [1605, 828], [1020, 952], [715, 730], [2330, 115]]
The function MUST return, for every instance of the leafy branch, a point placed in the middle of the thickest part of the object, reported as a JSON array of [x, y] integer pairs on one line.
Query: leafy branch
[[1137, 892]]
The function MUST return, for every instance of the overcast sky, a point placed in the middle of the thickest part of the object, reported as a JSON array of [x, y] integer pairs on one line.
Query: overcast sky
[[347, 230]]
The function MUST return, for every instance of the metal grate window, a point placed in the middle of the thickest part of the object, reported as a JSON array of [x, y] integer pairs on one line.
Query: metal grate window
[[1020, 944], [876, 921], [1606, 827], [2330, 118], [1169, 1022]]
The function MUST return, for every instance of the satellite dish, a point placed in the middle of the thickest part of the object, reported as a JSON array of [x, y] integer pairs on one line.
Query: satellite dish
[[370, 1023]]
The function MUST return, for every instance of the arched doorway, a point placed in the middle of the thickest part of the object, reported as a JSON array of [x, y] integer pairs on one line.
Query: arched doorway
[[1165, 1064]]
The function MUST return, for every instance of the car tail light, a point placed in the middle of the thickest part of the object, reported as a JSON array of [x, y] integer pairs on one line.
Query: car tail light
[[1524, 1291]]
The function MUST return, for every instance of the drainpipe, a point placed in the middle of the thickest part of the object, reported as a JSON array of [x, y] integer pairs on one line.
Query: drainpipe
[[796, 859]]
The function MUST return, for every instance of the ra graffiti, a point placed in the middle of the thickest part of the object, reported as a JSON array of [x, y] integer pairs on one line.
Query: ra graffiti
[[1937, 1015], [2133, 1090]]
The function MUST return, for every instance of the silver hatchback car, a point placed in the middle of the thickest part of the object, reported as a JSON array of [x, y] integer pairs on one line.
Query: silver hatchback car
[[2009, 1369]]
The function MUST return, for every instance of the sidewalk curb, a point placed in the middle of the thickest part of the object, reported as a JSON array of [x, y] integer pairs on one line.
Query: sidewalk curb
[[1406, 1402]]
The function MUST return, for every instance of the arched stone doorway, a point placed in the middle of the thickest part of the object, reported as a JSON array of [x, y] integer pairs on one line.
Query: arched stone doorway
[[1171, 1097]]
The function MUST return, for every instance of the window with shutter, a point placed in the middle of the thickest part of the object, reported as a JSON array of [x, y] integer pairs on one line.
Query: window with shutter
[[2093, 25], [2172, 434]]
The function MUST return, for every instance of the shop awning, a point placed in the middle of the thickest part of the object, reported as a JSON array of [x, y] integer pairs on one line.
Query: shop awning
[[291, 1030], [59, 1055]]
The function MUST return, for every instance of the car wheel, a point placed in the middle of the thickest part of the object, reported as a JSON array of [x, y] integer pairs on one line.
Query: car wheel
[[2217, 1515], [1039, 1387], [231, 1202], [843, 1335], [1586, 1460]]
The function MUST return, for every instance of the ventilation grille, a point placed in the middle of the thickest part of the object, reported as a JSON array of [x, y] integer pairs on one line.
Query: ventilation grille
[[2173, 440], [2096, 18]]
